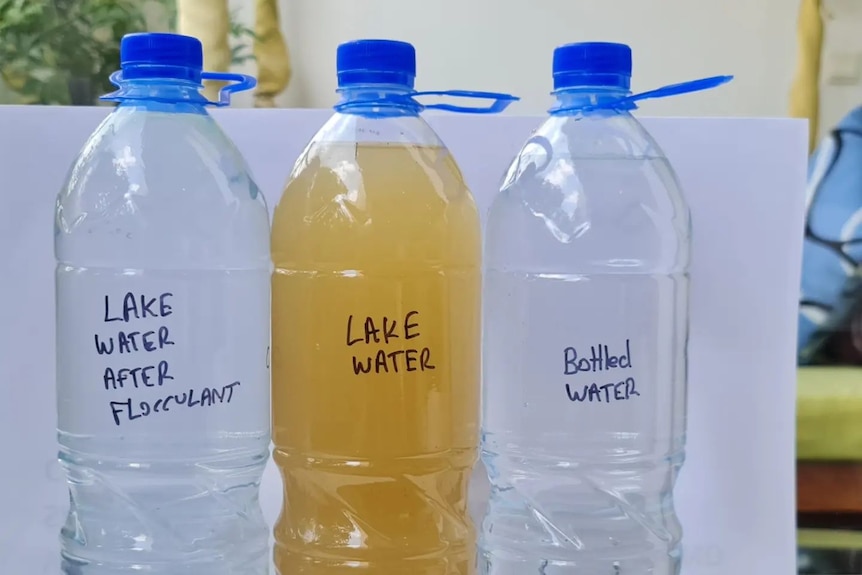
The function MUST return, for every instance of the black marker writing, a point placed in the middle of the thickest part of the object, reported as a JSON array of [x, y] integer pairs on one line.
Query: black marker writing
[[385, 332], [608, 392], [130, 410], [403, 359], [139, 306], [149, 376], [133, 339], [600, 359]]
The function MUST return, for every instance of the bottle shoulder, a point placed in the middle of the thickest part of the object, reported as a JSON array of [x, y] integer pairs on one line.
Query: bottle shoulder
[[593, 192], [155, 178], [377, 200], [375, 176], [139, 162], [395, 128]]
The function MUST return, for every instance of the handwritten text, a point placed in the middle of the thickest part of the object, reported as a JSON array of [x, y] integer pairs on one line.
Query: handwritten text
[[600, 359], [387, 332], [155, 373]]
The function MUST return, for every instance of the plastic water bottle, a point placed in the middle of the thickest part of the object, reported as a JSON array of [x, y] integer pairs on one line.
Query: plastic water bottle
[[163, 297], [376, 334], [585, 327]]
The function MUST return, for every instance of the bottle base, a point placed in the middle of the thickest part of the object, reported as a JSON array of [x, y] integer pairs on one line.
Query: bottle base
[[460, 562], [491, 563], [253, 565]]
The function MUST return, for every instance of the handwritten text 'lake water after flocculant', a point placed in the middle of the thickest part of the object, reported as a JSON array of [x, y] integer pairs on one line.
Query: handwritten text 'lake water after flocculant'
[[136, 331]]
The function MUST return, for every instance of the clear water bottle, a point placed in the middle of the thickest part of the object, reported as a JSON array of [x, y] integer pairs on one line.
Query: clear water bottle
[[585, 328], [163, 296]]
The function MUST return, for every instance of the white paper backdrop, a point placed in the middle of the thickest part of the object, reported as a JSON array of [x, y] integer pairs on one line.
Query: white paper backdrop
[[744, 179]]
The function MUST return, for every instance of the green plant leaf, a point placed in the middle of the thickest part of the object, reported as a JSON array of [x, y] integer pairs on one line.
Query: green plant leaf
[[44, 43]]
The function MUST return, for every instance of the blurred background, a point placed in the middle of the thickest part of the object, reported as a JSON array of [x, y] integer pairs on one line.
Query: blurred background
[[49, 46], [798, 58]]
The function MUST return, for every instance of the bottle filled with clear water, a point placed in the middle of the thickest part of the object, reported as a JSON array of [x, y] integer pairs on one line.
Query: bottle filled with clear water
[[585, 327], [162, 292]]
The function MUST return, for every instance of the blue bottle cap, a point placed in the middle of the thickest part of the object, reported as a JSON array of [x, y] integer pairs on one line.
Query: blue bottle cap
[[376, 62], [161, 55], [592, 64]]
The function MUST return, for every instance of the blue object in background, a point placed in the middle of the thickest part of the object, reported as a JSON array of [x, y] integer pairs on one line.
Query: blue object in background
[[832, 249]]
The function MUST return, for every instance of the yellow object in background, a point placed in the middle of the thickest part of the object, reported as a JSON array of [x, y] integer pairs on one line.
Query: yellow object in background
[[805, 92], [209, 21], [829, 413], [271, 54], [375, 362]]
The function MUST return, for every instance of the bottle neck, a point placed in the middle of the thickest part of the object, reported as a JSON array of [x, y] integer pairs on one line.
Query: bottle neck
[[161, 95], [589, 100], [377, 101]]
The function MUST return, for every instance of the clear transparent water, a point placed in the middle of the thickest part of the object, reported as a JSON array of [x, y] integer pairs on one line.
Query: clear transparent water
[[163, 275], [586, 304]]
